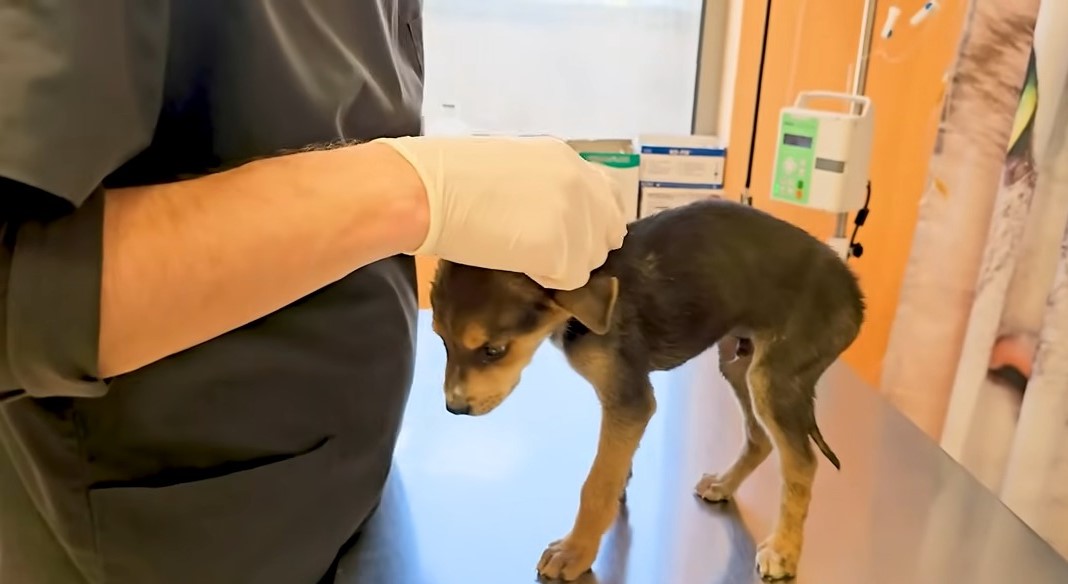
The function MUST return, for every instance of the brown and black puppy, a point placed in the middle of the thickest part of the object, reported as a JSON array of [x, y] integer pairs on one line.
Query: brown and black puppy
[[684, 280]]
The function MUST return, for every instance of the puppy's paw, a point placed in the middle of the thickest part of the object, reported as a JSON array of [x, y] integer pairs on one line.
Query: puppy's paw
[[566, 559], [713, 489], [776, 560]]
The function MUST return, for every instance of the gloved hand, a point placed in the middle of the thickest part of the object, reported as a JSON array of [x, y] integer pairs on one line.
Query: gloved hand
[[529, 205]]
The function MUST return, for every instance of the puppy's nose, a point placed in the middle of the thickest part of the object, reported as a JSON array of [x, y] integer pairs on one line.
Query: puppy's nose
[[460, 410]]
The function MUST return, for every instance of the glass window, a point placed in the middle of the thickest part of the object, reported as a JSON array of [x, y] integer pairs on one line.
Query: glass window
[[571, 68]]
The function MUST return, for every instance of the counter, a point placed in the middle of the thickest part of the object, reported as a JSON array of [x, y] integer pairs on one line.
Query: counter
[[475, 500]]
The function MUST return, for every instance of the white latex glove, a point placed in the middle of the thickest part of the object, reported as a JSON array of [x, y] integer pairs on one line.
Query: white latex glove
[[529, 205]]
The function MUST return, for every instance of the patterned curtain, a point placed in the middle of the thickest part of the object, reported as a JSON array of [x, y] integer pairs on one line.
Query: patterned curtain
[[978, 355]]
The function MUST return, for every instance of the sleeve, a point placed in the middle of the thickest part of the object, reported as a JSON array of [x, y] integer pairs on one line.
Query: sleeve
[[80, 92]]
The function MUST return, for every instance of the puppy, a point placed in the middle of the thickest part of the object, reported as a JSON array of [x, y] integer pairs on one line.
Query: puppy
[[784, 305]]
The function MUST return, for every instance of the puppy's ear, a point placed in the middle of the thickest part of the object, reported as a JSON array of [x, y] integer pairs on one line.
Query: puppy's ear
[[592, 304]]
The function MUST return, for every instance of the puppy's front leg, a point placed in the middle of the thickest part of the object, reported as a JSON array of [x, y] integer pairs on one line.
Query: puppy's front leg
[[624, 416]]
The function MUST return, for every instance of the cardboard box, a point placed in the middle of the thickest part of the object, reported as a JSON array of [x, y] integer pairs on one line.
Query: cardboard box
[[654, 200], [677, 170], [622, 162]]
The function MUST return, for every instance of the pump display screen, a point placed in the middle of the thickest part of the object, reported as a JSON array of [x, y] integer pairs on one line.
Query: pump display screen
[[795, 140]]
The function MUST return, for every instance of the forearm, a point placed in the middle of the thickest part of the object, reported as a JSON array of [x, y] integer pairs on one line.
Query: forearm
[[188, 261]]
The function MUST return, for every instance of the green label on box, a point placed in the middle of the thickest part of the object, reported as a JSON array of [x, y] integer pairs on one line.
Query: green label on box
[[612, 159], [797, 152]]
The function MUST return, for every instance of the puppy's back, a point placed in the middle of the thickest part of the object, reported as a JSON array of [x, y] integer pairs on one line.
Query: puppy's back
[[716, 265]]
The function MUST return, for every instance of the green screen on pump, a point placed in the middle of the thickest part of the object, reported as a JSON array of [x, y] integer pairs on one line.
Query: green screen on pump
[[795, 140]]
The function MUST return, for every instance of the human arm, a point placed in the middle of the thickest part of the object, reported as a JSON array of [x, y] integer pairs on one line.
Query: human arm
[[187, 261], [181, 263]]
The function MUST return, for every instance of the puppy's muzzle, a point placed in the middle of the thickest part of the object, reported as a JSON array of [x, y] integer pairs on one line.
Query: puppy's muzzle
[[456, 402], [462, 409]]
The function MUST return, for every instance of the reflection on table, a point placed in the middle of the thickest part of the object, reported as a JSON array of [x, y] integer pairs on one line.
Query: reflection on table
[[475, 500]]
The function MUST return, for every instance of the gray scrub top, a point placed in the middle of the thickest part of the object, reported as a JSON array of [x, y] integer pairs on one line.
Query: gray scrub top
[[254, 457]]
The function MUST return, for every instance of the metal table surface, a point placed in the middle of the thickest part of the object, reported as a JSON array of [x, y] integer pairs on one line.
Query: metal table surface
[[475, 500]]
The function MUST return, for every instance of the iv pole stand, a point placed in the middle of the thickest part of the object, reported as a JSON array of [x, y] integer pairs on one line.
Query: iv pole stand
[[860, 78], [746, 197]]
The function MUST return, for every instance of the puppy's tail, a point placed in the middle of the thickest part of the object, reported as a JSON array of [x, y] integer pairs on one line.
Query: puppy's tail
[[822, 444]]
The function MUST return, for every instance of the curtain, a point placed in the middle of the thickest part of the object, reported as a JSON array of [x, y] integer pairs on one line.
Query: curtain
[[978, 353]]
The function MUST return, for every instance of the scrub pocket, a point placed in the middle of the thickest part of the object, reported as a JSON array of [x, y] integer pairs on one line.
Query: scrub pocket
[[269, 523], [415, 37]]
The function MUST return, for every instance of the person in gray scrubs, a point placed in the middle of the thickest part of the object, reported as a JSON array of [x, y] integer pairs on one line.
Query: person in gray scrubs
[[208, 315]]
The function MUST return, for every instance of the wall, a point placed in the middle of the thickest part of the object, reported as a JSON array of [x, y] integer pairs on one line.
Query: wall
[[812, 44]]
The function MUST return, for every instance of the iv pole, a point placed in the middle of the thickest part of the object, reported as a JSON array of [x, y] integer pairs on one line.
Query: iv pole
[[746, 197], [860, 78]]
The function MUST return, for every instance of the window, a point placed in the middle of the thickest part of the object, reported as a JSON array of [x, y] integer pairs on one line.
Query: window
[[571, 68]]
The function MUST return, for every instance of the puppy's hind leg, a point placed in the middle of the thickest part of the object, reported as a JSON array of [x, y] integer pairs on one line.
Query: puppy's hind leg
[[782, 380], [735, 357]]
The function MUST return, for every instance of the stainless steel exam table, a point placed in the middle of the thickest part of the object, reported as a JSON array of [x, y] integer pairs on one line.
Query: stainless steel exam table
[[475, 500]]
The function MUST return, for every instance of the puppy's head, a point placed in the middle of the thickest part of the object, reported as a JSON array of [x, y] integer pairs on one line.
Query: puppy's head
[[492, 322]]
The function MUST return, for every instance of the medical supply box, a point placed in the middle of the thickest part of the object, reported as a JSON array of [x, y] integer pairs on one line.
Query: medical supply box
[[679, 169]]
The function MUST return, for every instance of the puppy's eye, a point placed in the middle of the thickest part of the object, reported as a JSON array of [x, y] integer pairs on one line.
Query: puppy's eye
[[492, 352]]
